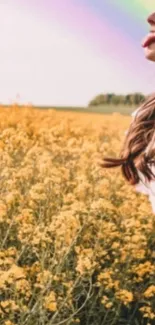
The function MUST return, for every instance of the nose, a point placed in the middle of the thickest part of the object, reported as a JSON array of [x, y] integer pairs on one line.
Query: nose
[[151, 19]]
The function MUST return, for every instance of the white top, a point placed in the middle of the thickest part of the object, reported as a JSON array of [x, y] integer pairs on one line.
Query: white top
[[144, 186]]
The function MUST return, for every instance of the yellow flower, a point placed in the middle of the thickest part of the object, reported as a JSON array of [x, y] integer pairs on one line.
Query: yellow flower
[[150, 292], [9, 305], [125, 296], [105, 301], [109, 305], [55, 199], [143, 268], [147, 312], [52, 306], [8, 322], [3, 211], [50, 301], [16, 272]]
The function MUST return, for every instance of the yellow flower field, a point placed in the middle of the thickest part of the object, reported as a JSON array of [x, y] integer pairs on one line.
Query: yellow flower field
[[77, 243]]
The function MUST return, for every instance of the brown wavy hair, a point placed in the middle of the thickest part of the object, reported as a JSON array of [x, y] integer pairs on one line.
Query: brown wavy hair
[[138, 150]]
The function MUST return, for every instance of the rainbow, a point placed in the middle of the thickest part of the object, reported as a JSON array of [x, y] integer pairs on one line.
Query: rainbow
[[111, 29]]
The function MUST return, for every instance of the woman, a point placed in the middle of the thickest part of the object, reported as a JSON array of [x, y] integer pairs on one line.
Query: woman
[[137, 157]]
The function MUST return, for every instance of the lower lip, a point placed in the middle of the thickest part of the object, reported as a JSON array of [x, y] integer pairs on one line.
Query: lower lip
[[149, 44]]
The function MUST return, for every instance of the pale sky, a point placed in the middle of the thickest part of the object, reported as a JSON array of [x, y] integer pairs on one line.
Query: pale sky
[[46, 65]]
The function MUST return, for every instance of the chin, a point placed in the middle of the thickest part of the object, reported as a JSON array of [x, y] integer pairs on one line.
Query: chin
[[150, 54]]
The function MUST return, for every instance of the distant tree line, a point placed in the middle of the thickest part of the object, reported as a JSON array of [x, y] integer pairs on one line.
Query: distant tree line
[[112, 98]]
